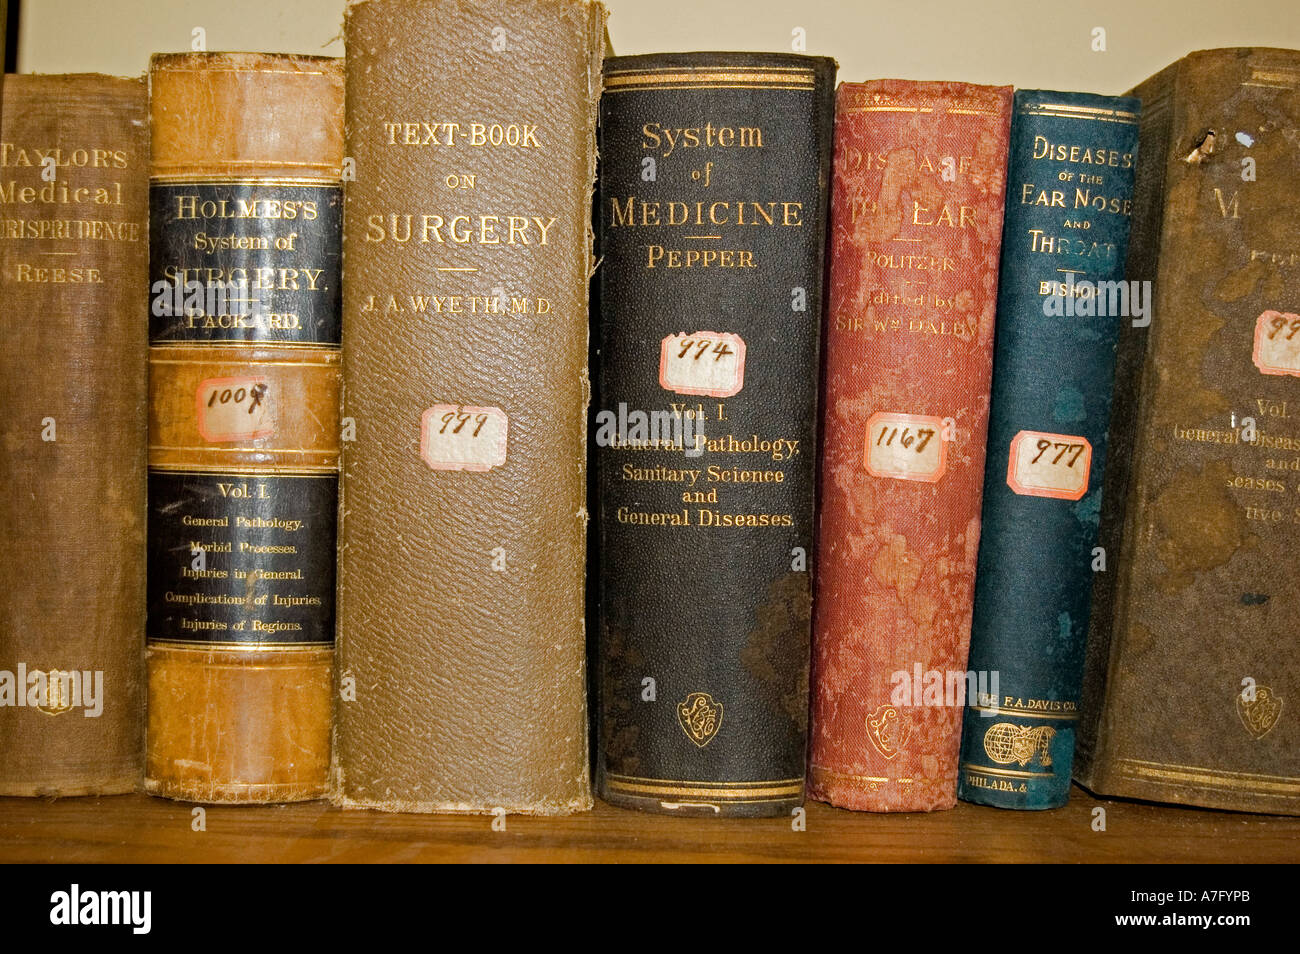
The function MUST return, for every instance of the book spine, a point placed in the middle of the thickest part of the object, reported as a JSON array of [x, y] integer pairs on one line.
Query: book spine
[[462, 538], [245, 207], [73, 266], [713, 209], [1192, 693], [1155, 128], [1061, 303], [920, 178]]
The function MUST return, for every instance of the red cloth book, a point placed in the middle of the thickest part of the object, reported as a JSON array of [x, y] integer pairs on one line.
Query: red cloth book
[[916, 228]]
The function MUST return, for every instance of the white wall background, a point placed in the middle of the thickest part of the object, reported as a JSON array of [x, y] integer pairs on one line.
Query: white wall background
[[1031, 43]]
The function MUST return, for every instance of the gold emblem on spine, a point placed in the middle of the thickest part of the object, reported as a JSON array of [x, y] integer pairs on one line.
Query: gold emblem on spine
[[1260, 713], [1006, 742], [58, 693], [886, 730], [700, 717]]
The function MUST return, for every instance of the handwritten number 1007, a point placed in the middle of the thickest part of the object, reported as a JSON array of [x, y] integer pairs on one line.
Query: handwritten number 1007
[[237, 395]]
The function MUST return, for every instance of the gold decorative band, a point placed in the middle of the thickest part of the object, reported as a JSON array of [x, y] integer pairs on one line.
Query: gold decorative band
[[267, 345], [250, 470], [644, 70], [1003, 773], [1274, 79], [1071, 111], [719, 791], [895, 108], [327, 179], [241, 449], [887, 109], [179, 65], [687, 77], [819, 774], [329, 359], [1027, 713], [1276, 786], [206, 647], [1098, 119]]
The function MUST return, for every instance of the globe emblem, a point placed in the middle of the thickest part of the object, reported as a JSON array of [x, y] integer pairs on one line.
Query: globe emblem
[[1005, 743]]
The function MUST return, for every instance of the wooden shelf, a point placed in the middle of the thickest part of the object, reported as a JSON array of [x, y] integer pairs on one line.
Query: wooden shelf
[[137, 828]]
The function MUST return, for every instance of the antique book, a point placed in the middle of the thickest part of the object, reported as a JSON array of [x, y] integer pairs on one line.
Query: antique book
[[74, 260], [712, 211], [916, 225], [245, 207], [467, 239], [1061, 301], [1192, 681]]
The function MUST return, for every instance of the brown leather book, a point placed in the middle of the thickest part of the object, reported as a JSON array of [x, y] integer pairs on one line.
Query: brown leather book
[[916, 227], [462, 523], [1192, 686], [73, 272], [246, 205]]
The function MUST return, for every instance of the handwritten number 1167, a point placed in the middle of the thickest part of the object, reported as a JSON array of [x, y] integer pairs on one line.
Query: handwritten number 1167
[[907, 439]]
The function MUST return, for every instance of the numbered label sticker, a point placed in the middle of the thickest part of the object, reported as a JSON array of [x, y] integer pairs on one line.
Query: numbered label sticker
[[1049, 465], [460, 437], [1277, 343], [906, 447], [235, 409], [708, 362]]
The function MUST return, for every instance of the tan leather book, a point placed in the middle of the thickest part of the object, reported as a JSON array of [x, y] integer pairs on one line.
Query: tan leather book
[[246, 205], [73, 272], [467, 240]]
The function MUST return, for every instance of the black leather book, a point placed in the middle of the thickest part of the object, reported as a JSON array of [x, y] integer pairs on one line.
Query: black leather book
[[712, 211]]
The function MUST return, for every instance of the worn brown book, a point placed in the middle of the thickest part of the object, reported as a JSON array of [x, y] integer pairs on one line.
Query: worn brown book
[[246, 205], [462, 522], [1193, 682], [74, 154]]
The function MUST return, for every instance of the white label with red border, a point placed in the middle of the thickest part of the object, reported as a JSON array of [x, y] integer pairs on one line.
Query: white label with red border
[[234, 409], [1049, 465], [710, 363], [906, 446], [463, 437], [1277, 343]]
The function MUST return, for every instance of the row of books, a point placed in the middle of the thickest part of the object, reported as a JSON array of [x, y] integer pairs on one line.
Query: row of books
[[942, 433]]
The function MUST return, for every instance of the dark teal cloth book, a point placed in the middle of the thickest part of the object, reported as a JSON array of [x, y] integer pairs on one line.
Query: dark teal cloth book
[[1061, 302]]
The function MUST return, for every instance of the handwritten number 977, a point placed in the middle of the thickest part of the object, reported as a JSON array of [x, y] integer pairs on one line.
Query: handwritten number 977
[[1063, 448]]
